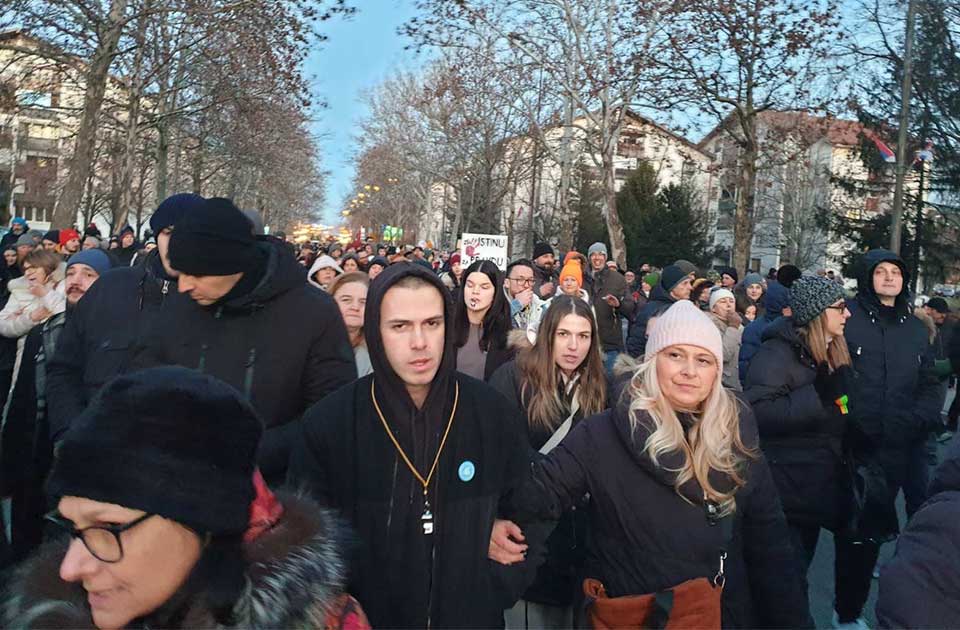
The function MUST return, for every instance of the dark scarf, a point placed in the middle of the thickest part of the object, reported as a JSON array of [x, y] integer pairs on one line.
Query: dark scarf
[[392, 396]]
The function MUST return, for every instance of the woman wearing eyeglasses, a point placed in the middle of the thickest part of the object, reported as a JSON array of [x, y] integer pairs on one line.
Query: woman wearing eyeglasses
[[797, 384], [156, 490]]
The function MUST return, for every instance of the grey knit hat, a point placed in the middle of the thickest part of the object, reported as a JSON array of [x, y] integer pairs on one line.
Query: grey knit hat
[[597, 247], [810, 296]]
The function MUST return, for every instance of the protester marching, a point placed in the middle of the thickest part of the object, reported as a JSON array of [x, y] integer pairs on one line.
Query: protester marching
[[209, 426]]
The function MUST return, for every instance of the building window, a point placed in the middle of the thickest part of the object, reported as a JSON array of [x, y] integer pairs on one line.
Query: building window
[[27, 98]]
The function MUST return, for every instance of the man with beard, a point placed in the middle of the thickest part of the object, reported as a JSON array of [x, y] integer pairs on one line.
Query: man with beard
[[18, 227], [69, 243], [102, 335], [253, 322], [418, 458], [546, 277], [27, 448]]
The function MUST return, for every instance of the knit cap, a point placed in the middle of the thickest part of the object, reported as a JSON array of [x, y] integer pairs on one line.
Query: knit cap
[[671, 277], [53, 236], [718, 293], [729, 271], [810, 296], [597, 248], [686, 266], [652, 279], [685, 324], [572, 268], [68, 235], [169, 441], [95, 258], [752, 278], [172, 209], [541, 249]]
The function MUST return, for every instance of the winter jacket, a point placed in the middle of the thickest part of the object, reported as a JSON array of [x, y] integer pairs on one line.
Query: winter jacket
[[920, 585], [102, 335], [15, 318], [730, 335], [295, 577], [403, 578], [541, 277], [660, 300], [777, 298], [800, 435], [562, 572], [645, 538], [610, 282], [283, 346], [897, 393], [519, 314]]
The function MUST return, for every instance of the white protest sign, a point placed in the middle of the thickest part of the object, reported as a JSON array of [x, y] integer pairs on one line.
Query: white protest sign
[[491, 247]]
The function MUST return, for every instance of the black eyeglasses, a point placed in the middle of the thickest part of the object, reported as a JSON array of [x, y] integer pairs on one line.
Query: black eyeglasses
[[102, 541], [523, 281], [842, 306]]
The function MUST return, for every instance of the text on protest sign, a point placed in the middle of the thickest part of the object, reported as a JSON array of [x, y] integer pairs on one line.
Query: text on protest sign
[[492, 247]]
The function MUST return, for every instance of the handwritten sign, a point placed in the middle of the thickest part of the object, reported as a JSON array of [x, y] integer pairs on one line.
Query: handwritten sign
[[491, 247]]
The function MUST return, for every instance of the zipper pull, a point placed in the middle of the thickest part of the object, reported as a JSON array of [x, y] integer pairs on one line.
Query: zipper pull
[[166, 287]]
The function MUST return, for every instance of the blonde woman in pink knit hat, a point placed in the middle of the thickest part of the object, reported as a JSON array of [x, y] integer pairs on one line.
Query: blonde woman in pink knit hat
[[680, 498]]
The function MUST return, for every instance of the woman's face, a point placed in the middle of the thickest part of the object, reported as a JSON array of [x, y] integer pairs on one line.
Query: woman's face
[[836, 317], [754, 291], [10, 256], [750, 313], [457, 269], [571, 343], [350, 265], [352, 298], [724, 307], [127, 239], [374, 271], [686, 374], [478, 292], [570, 286], [646, 287], [325, 276], [158, 556], [34, 275]]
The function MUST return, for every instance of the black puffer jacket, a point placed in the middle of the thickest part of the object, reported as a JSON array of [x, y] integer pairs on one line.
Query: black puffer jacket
[[896, 400], [283, 346], [800, 436], [660, 300], [102, 334], [645, 538], [920, 585]]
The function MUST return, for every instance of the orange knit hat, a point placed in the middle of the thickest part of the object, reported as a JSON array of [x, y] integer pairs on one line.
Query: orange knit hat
[[572, 268]]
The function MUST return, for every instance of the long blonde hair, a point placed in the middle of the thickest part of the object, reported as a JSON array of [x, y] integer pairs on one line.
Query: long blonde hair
[[834, 352], [713, 442]]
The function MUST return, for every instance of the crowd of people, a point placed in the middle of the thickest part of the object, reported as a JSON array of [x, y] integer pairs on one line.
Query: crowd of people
[[219, 428]]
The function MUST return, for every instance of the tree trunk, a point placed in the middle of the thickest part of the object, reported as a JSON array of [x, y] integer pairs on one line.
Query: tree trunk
[[163, 156], [618, 245], [746, 190], [81, 163], [133, 123]]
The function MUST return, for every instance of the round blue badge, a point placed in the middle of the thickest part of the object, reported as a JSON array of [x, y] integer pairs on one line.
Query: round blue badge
[[467, 470]]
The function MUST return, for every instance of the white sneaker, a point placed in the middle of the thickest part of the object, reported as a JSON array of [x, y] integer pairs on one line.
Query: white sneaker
[[859, 624]]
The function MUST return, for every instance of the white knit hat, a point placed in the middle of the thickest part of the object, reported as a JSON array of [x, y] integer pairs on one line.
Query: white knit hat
[[718, 293], [685, 324]]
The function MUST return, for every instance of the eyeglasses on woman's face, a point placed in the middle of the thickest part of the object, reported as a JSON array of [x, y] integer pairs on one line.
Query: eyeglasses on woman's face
[[102, 541], [840, 306]]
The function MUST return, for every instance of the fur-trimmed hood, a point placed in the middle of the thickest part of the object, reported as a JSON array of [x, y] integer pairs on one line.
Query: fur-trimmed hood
[[295, 575]]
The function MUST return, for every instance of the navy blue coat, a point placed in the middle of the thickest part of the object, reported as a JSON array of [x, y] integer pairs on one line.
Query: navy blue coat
[[920, 585], [776, 299]]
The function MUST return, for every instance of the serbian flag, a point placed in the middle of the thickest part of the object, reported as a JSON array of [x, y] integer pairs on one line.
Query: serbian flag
[[885, 152]]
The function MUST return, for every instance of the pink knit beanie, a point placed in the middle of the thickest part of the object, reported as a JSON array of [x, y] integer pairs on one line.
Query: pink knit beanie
[[685, 324]]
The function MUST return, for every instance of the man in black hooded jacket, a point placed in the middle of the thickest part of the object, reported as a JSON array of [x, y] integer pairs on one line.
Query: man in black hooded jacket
[[418, 458], [894, 405], [253, 322]]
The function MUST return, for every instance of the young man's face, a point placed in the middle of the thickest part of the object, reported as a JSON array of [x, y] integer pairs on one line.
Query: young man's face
[[937, 317], [887, 280], [79, 279], [598, 260], [163, 245], [412, 329], [50, 245], [72, 246]]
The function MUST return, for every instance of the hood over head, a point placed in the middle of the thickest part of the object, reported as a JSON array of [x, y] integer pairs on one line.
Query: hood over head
[[868, 263], [322, 262], [394, 397], [775, 300]]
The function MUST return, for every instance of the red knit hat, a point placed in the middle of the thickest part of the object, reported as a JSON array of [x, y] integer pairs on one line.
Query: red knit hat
[[67, 235]]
